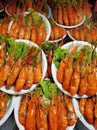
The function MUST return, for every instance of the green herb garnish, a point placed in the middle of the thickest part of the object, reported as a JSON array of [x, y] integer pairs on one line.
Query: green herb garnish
[[59, 53], [49, 88]]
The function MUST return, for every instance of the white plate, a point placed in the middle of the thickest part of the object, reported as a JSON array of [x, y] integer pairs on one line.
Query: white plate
[[44, 69], [58, 40], [80, 116], [47, 25], [10, 107], [8, 12], [64, 26], [1, 10], [68, 45], [68, 32], [16, 109]]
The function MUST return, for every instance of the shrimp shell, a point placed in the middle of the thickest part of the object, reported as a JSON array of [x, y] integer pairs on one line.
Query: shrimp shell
[[3, 104]]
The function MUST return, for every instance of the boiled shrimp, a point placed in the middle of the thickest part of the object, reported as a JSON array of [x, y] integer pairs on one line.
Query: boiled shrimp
[[34, 33], [41, 34], [60, 15], [82, 105], [65, 17], [5, 69], [75, 79], [3, 104], [31, 115], [23, 109], [2, 56], [30, 77], [38, 69], [60, 72], [62, 114], [53, 114], [89, 108], [92, 87], [67, 74], [21, 80], [71, 115], [27, 32], [13, 73], [95, 113], [41, 117], [83, 86]]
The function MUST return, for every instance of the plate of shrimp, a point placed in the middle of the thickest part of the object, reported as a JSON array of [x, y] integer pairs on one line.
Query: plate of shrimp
[[86, 109], [67, 15], [75, 78], [35, 108], [30, 26], [6, 106], [57, 33], [26, 66]]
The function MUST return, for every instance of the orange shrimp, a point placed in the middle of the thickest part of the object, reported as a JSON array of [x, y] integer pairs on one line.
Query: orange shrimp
[[30, 77], [53, 114], [60, 15], [22, 29], [41, 34], [81, 33], [93, 33], [52, 35], [83, 86], [67, 74], [41, 117], [23, 109], [57, 33], [62, 31], [71, 14], [82, 105], [31, 115], [62, 114], [3, 104], [38, 69], [76, 33], [75, 79], [55, 12], [71, 115], [4, 26], [22, 77], [79, 14], [2, 56], [88, 112], [27, 32], [92, 87], [13, 73], [65, 17], [34, 34], [95, 113], [86, 8], [4, 70], [60, 72]]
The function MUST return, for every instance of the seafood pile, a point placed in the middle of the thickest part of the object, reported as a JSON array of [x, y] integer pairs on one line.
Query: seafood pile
[[57, 33], [69, 13], [76, 69], [21, 65], [86, 32], [55, 110], [31, 26], [19, 7]]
